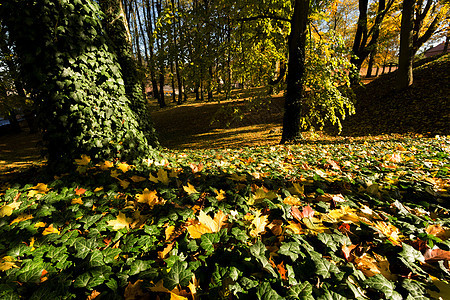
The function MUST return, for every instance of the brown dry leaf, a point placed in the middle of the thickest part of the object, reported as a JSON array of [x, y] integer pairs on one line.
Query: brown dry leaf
[[282, 270], [136, 178], [371, 266], [275, 227], [434, 255], [438, 231], [133, 291], [260, 223]]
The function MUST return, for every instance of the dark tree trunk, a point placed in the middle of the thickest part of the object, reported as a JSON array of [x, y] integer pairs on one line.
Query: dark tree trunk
[[405, 62], [296, 71]]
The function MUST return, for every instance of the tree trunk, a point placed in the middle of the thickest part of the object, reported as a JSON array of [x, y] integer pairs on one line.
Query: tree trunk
[[296, 71], [151, 62], [83, 110], [406, 56], [371, 62]]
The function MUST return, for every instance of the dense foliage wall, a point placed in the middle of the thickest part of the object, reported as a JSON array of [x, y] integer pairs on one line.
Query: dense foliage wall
[[75, 80]]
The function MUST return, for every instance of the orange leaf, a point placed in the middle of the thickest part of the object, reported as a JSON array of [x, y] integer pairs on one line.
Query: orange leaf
[[207, 224], [281, 269], [167, 249], [93, 295], [433, 255], [79, 191], [347, 250], [275, 227]]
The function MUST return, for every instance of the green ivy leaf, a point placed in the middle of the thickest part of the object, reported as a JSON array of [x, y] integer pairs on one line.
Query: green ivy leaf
[[258, 251], [265, 292], [178, 275], [380, 283]]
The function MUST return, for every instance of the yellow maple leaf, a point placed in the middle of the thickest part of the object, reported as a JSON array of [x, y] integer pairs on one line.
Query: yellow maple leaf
[[390, 231], [77, 201], [207, 224], [259, 223], [162, 177], [293, 201], [166, 250], [84, 161], [174, 294], [106, 165], [6, 210], [135, 178], [372, 265], [169, 231], [6, 263], [32, 243], [193, 286], [114, 174], [124, 167], [134, 291], [40, 188], [50, 229], [220, 195], [297, 189], [295, 228], [260, 194], [190, 189], [120, 222], [40, 224], [98, 189], [149, 197], [22, 217]]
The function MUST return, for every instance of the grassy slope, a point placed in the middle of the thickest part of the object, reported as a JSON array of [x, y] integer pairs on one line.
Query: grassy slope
[[423, 108]]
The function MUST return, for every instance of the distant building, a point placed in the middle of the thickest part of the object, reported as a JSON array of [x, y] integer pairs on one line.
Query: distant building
[[436, 50]]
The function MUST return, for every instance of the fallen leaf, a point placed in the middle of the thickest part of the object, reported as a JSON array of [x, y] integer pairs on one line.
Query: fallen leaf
[[190, 189], [282, 271], [93, 295], [50, 229], [293, 201], [84, 161], [169, 231], [438, 231], [346, 250], [372, 265], [136, 179], [434, 255], [166, 250], [295, 228], [79, 191], [124, 167], [150, 197], [120, 222], [220, 195], [21, 218], [196, 168], [123, 183], [259, 222], [193, 284], [395, 158], [134, 291], [390, 231], [275, 227], [207, 224], [76, 201], [106, 165]]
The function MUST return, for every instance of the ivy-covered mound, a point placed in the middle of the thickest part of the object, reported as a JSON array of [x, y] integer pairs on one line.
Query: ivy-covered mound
[[362, 220], [76, 81]]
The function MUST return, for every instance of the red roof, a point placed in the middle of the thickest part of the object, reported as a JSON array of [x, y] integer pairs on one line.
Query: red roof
[[436, 50]]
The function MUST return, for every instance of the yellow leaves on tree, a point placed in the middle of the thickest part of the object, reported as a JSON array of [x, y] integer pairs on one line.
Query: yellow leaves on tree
[[206, 224], [120, 222], [150, 197]]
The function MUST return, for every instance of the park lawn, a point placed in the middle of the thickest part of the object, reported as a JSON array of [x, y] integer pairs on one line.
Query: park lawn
[[363, 218]]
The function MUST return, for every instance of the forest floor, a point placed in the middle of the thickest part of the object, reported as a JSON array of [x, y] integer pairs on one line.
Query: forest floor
[[254, 118]]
